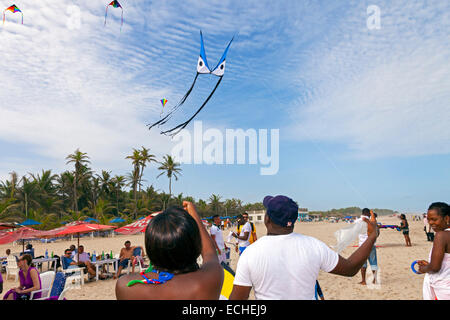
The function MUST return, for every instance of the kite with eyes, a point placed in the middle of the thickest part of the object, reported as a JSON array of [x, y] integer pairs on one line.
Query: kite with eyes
[[202, 68]]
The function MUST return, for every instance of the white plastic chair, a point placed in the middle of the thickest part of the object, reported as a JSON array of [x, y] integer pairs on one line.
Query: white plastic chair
[[46, 284], [138, 264], [76, 278], [11, 267]]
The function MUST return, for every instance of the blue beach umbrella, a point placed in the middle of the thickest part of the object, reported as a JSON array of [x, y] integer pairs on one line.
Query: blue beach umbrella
[[91, 219], [29, 222], [117, 220]]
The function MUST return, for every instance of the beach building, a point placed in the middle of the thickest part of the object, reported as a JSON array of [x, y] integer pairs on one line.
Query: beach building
[[303, 214], [256, 216]]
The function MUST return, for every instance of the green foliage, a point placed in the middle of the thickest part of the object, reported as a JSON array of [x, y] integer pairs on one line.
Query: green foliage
[[350, 211], [81, 193]]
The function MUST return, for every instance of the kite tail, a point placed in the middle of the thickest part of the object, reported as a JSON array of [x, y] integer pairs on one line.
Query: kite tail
[[169, 115], [184, 124], [186, 95], [106, 13], [158, 122], [121, 21], [22, 18]]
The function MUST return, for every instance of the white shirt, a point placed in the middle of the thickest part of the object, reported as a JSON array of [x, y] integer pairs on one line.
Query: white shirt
[[215, 231], [363, 236], [245, 228], [284, 267], [83, 257]]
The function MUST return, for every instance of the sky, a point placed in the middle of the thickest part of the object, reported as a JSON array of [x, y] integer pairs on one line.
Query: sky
[[362, 111]]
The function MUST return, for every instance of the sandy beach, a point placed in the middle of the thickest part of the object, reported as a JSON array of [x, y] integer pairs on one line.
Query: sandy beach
[[397, 281]]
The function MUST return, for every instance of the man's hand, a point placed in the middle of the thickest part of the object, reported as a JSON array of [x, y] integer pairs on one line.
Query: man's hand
[[372, 227], [218, 251]]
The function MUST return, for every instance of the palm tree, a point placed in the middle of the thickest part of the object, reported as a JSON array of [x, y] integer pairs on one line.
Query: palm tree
[[8, 188], [134, 178], [26, 193], [80, 159], [118, 182], [170, 168], [145, 158], [214, 202]]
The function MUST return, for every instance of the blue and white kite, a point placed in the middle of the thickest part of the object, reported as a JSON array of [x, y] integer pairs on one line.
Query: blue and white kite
[[202, 68]]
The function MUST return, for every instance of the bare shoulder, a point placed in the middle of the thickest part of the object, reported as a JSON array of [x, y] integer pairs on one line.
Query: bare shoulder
[[123, 292]]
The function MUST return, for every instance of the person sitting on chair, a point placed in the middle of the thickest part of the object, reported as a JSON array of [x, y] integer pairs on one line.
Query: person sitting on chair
[[69, 263], [29, 281], [125, 255]]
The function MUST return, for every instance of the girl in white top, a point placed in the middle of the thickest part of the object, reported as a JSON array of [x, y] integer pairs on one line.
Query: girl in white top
[[436, 284]]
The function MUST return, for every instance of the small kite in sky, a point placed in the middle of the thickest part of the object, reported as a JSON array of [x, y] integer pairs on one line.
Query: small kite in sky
[[163, 102], [115, 4], [13, 9], [202, 68]]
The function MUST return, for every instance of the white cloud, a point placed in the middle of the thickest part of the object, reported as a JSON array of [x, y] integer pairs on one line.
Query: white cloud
[[380, 92]]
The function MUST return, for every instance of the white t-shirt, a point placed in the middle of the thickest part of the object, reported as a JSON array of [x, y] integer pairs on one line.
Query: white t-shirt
[[363, 236], [215, 231], [245, 228], [284, 267]]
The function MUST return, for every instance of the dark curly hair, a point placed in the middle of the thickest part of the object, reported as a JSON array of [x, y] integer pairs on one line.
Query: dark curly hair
[[172, 241]]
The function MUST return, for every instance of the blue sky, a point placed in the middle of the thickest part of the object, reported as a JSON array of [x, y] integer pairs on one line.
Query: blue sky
[[363, 114]]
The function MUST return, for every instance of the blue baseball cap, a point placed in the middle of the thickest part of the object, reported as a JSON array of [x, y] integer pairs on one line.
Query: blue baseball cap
[[281, 210]]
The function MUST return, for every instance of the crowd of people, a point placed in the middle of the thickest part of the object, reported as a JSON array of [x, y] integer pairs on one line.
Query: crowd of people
[[282, 264]]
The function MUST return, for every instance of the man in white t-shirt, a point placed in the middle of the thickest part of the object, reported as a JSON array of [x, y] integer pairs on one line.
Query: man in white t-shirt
[[216, 235], [373, 252], [284, 265], [244, 235]]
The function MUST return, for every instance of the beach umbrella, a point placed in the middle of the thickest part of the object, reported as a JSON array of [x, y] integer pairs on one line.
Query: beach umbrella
[[24, 233], [83, 228], [117, 220], [30, 222], [137, 226], [4, 225], [91, 220]]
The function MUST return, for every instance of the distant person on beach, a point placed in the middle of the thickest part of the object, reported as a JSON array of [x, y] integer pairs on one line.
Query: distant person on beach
[[243, 235], [436, 284], [125, 255], [253, 236], [71, 263], [404, 226], [284, 265], [366, 213], [29, 281], [83, 260], [174, 240], [217, 236]]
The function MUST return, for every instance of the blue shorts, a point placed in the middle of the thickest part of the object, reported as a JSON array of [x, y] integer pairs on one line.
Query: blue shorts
[[241, 249], [124, 263], [372, 259]]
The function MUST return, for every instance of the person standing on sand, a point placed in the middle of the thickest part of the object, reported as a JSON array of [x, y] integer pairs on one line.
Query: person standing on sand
[[244, 233], [404, 226], [366, 214], [284, 265], [216, 235], [436, 284]]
